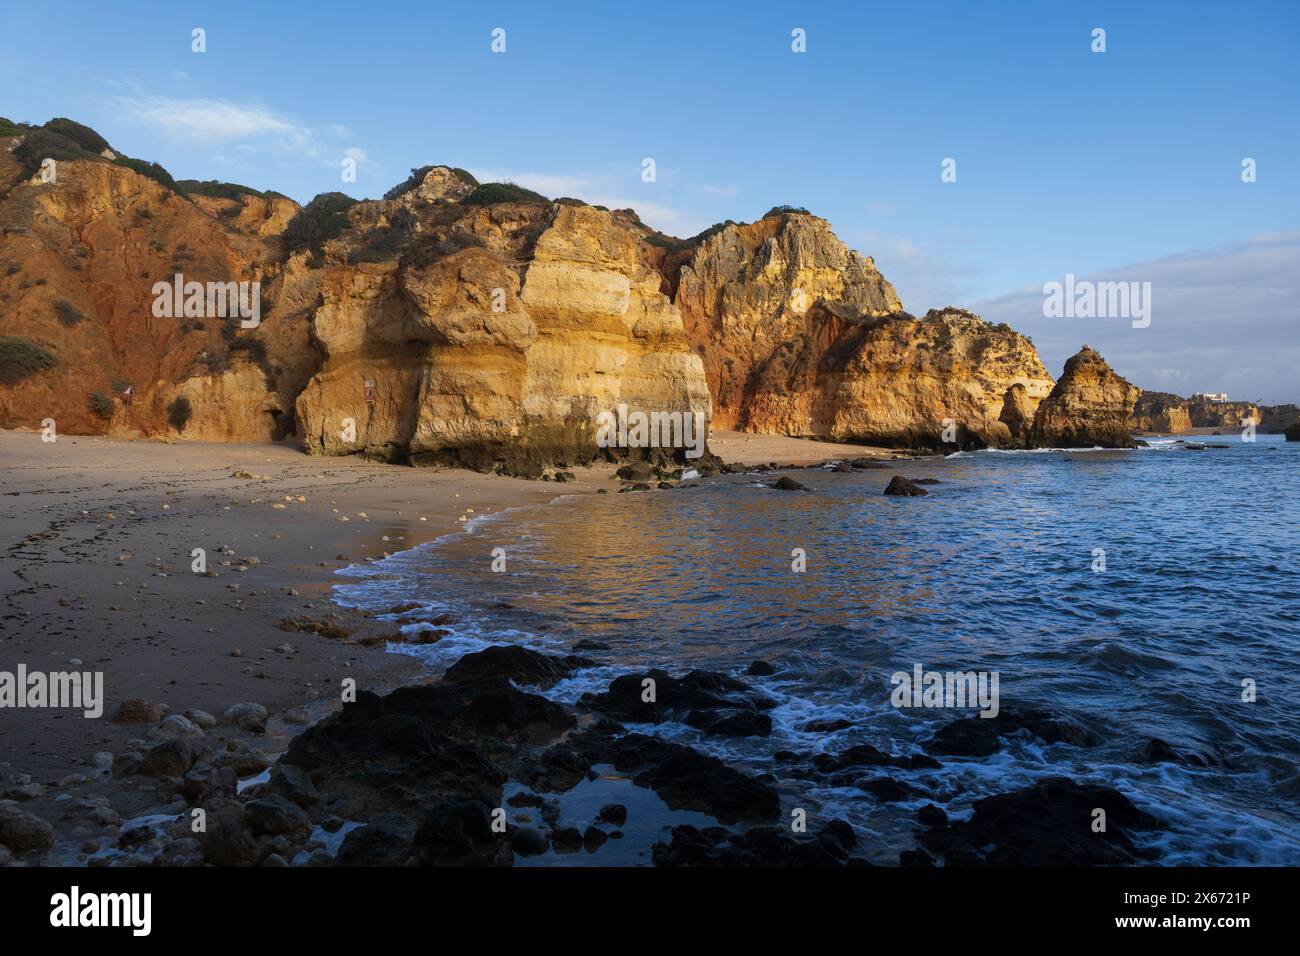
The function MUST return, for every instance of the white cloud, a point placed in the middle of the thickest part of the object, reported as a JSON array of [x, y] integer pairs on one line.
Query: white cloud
[[1223, 319], [205, 121]]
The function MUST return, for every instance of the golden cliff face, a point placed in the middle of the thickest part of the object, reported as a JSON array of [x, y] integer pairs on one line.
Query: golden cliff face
[[1089, 406], [802, 336], [485, 326], [496, 340], [81, 258], [1162, 413]]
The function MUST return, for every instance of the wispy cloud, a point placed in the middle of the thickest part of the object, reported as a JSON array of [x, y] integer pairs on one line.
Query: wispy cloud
[[204, 121]]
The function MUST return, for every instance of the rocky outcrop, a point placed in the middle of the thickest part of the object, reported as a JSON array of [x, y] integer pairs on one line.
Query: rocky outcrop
[[1162, 413], [1205, 413], [495, 340], [484, 325], [81, 257], [1293, 433], [1089, 406], [1275, 419], [802, 336]]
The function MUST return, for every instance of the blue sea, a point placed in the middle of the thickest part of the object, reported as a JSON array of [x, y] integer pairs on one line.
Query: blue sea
[[997, 569]]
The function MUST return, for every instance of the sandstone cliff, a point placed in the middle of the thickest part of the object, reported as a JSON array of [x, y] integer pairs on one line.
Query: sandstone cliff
[[493, 337], [81, 257], [1089, 406], [802, 336], [1161, 412], [483, 324]]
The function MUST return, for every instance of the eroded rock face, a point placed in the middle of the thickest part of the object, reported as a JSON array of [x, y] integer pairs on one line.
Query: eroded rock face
[[1090, 406], [1232, 415], [80, 260], [1161, 412], [500, 354], [802, 336]]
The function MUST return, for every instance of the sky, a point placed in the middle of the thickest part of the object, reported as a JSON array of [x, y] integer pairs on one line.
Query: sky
[[1124, 164]]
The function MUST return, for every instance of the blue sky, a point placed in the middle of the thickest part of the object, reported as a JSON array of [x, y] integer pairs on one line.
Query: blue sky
[[1067, 160]]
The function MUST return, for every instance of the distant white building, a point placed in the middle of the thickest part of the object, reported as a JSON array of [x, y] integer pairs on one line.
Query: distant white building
[[1212, 396]]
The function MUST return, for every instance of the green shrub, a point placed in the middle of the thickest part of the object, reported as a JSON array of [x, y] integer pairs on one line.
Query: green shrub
[[322, 219], [489, 193], [782, 210], [101, 405], [41, 144], [20, 358], [83, 136], [118, 385], [220, 190], [152, 170], [67, 313], [9, 128], [179, 412]]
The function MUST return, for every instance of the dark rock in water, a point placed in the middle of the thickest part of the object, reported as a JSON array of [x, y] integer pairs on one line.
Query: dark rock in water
[[515, 663], [760, 669], [585, 645], [865, 755], [1293, 432], [528, 842], [1160, 751], [932, 816], [717, 700], [728, 722], [981, 736], [886, 789], [900, 486], [614, 813], [274, 815], [826, 726], [1048, 824], [460, 834], [759, 846], [559, 768], [866, 463], [424, 745], [686, 779], [925, 481], [842, 467], [525, 799], [785, 483], [566, 840], [384, 841], [593, 839]]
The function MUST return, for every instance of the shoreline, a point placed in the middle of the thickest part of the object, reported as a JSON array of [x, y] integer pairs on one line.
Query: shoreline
[[96, 568]]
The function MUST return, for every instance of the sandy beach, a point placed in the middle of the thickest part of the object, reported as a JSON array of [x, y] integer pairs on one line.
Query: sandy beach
[[96, 568]]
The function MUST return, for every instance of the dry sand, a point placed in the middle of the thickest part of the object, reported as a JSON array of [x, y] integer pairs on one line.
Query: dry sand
[[96, 538]]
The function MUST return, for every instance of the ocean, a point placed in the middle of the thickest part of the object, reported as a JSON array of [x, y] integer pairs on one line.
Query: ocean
[[1143, 593]]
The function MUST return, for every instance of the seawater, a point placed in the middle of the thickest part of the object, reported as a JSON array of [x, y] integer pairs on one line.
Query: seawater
[[993, 571]]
